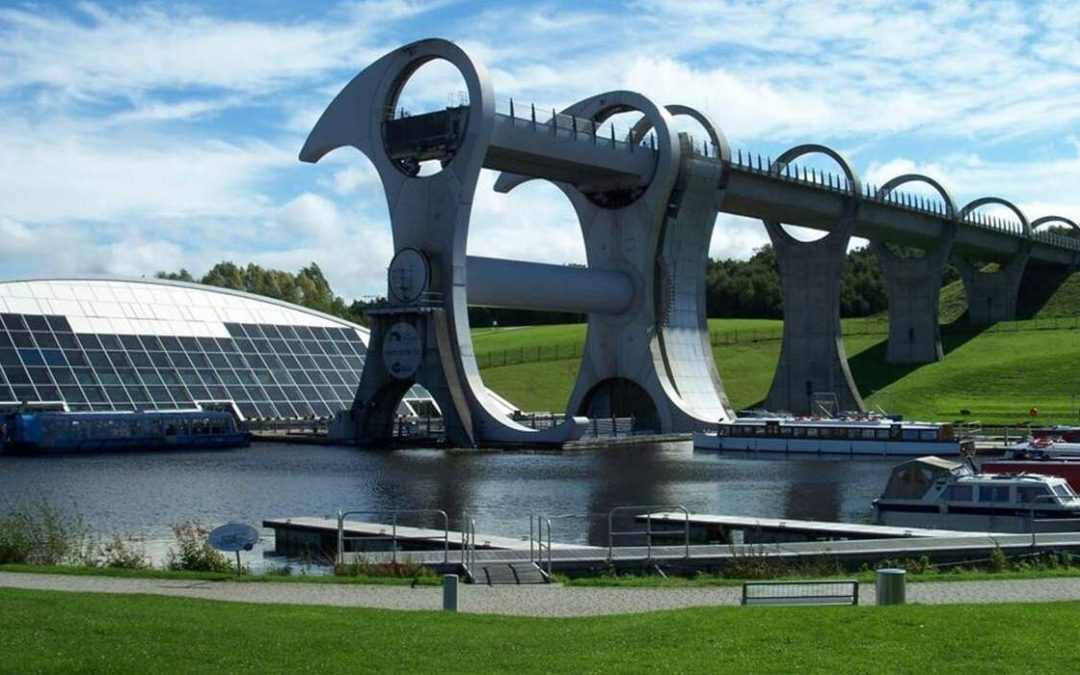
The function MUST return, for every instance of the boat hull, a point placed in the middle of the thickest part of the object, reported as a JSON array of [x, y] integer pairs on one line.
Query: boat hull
[[807, 446], [974, 519]]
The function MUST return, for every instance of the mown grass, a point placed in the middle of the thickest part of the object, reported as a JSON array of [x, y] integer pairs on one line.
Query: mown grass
[[72, 632], [997, 375]]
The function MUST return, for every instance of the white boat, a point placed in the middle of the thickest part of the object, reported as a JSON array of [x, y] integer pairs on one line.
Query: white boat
[[848, 435], [931, 492]]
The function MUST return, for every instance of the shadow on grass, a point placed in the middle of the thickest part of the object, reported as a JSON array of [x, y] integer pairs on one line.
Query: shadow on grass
[[872, 373]]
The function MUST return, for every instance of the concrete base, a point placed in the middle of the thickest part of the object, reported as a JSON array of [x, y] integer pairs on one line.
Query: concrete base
[[913, 288]]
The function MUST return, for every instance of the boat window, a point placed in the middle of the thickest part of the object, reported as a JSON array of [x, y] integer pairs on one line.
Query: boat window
[[928, 435], [798, 431], [946, 432], [959, 493], [993, 493], [722, 430], [813, 432], [759, 431], [1063, 491], [868, 433], [1025, 494], [882, 434]]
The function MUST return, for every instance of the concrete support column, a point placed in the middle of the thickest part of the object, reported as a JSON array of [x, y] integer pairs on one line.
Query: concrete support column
[[913, 288], [913, 285], [991, 296], [812, 357]]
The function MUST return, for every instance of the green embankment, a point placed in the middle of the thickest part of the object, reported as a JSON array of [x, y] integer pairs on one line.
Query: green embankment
[[75, 632], [997, 373]]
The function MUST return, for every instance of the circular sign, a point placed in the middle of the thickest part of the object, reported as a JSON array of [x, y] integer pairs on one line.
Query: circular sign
[[409, 275], [401, 350], [234, 537]]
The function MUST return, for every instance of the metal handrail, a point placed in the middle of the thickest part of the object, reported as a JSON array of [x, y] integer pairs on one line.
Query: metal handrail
[[468, 542], [542, 526], [392, 538], [648, 532]]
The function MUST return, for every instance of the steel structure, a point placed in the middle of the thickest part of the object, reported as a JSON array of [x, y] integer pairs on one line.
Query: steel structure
[[646, 204]]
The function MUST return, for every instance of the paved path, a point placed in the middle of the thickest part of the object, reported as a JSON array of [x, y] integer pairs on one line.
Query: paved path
[[523, 600]]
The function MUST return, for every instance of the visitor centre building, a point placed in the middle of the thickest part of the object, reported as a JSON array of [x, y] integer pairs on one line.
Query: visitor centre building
[[93, 344]]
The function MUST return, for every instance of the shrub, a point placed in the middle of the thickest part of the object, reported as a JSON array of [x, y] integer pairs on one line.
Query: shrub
[[124, 552], [40, 534], [364, 568], [195, 552], [999, 562]]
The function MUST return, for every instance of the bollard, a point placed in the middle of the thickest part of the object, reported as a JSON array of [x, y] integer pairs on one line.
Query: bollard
[[891, 586], [449, 592]]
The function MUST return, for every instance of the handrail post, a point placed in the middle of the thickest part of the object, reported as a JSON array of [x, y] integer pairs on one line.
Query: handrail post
[[340, 537], [393, 541]]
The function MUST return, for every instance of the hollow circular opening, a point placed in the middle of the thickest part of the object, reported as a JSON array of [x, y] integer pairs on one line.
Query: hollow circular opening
[[426, 118]]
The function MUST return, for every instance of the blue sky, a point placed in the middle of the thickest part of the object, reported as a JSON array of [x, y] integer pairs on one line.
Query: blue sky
[[147, 136]]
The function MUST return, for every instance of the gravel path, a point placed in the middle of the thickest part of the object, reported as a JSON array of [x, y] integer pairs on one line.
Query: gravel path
[[551, 601]]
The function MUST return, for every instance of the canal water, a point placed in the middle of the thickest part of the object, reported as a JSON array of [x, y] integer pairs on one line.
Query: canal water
[[142, 494]]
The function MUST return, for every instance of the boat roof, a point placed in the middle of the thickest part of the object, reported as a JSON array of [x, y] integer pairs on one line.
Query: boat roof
[[835, 421]]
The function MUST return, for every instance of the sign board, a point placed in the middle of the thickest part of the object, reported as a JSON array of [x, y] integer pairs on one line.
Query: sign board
[[234, 537], [401, 350], [409, 275]]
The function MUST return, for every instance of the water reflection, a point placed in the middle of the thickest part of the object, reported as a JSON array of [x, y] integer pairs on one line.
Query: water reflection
[[142, 494]]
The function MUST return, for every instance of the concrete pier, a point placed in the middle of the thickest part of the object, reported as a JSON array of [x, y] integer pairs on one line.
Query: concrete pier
[[812, 357]]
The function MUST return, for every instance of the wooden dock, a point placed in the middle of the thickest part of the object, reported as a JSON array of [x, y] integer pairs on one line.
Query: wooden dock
[[746, 529], [315, 533]]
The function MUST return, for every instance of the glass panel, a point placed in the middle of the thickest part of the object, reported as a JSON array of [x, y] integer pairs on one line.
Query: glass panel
[[149, 376], [84, 376], [140, 359], [151, 343], [94, 394], [72, 395], [89, 340], [171, 343], [13, 321], [59, 324], [46, 341], [110, 341], [16, 375], [108, 377], [120, 359], [117, 394], [131, 342], [22, 339], [63, 375], [199, 360], [9, 357], [31, 357], [76, 358], [159, 395], [160, 359], [67, 341], [39, 375], [128, 376], [35, 322], [48, 392]]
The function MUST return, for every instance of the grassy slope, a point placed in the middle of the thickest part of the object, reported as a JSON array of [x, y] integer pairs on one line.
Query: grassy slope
[[69, 632], [995, 375]]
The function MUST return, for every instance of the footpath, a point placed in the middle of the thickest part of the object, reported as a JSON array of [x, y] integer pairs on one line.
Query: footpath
[[547, 601]]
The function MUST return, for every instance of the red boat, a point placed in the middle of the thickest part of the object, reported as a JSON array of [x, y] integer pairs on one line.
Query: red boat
[[1064, 433], [1040, 455]]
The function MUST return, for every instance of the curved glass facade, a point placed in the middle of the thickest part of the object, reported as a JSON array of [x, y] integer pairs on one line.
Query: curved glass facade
[[113, 344]]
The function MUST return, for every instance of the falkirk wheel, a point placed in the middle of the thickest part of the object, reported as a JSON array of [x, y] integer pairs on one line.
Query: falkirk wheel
[[646, 218], [646, 205]]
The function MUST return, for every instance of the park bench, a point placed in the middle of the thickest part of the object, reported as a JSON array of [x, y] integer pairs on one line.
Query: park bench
[[839, 592]]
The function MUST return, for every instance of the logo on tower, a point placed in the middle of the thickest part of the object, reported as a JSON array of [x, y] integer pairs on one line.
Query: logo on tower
[[408, 276], [401, 350]]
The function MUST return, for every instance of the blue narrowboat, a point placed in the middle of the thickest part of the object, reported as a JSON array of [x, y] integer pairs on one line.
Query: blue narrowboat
[[33, 432]]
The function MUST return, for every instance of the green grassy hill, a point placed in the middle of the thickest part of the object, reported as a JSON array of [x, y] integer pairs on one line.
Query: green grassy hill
[[996, 373]]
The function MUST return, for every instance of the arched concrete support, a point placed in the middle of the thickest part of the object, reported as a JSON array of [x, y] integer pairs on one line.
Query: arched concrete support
[[660, 240], [913, 286], [991, 297], [812, 357], [429, 214]]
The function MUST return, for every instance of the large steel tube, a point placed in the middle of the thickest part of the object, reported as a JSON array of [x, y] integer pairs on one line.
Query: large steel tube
[[515, 284]]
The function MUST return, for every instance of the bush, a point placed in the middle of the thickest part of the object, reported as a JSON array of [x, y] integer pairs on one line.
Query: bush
[[195, 552], [43, 535], [124, 552], [364, 568]]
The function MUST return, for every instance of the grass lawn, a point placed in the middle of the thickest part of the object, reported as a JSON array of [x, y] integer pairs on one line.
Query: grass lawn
[[71, 632]]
